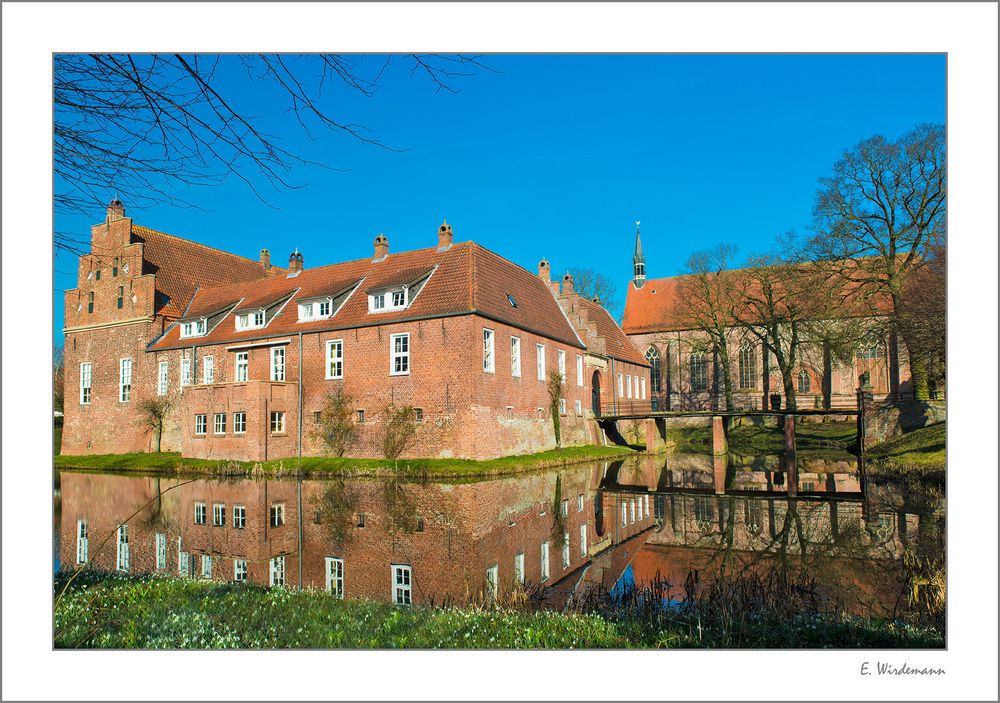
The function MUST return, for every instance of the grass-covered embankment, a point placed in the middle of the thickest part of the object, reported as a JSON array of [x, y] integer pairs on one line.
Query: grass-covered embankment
[[916, 454], [174, 463], [759, 439], [157, 612]]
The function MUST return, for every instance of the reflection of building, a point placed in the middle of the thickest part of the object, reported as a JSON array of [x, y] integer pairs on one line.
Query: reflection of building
[[362, 539], [686, 372], [248, 352]]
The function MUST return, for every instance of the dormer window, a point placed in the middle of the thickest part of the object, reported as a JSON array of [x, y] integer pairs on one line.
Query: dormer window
[[250, 320], [194, 328], [315, 309], [384, 301]]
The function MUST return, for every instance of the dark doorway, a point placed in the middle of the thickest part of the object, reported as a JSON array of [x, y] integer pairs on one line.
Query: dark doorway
[[595, 393]]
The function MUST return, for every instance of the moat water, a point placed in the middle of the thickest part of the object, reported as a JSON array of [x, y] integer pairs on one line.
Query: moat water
[[674, 524]]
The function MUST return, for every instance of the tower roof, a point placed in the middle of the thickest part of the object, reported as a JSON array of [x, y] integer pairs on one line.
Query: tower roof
[[638, 258]]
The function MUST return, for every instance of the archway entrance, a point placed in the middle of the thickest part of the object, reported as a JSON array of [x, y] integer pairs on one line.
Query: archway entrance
[[595, 393]]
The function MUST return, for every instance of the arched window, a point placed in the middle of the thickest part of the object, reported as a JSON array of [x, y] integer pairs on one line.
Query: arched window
[[653, 357], [803, 381], [699, 372], [871, 349], [748, 366]]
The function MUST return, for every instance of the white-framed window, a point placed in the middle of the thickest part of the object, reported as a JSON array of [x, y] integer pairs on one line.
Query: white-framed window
[[239, 570], [645, 501], [540, 361], [519, 568], [564, 507], [277, 514], [163, 378], [632, 503], [335, 358], [124, 380], [325, 307], [239, 422], [194, 328], [492, 581], [123, 553], [185, 371], [384, 301], [561, 357], [219, 514], [621, 385], [250, 320], [579, 407], [545, 561], [277, 422], [200, 424], [489, 356], [565, 550], [206, 566], [515, 357], [161, 550], [628, 386], [278, 571], [183, 562], [624, 514], [208, 369], [562, 406], [642, 383], [335, 577], [242, 366], [199, 513], [583, 540], [220, 423], [239, 516], [399, 363], [579, 503], [277, 363], [306, 311], [579, 370], [85, 379], [402, 584], [82, 542]]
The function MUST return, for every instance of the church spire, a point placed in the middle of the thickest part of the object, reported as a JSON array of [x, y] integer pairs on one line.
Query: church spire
[[638, 261]]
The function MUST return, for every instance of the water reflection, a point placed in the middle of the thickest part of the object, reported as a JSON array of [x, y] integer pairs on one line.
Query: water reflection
[[566, 531]]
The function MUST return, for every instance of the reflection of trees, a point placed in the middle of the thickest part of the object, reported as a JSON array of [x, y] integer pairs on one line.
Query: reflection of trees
[[335, 510]]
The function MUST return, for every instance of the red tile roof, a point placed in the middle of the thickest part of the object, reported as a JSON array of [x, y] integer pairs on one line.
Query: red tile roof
[[616, 343], [466, 278], [181, 266]]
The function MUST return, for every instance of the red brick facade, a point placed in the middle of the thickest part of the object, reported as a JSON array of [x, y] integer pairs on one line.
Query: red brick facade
[[458, 293]]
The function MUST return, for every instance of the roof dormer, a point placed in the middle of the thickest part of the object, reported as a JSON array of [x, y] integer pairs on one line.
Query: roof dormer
[[194, 328]]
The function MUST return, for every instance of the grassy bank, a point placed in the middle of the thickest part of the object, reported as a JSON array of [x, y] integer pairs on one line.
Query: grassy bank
[[148, 612], [917, 454], [174, 463], [756, 439]]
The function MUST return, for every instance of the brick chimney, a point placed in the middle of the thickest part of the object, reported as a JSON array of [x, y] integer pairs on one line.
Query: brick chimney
[[567, 286], [265, 259], [295, 263], [444, 236], [543, 270], [381, 247], [116, 210]]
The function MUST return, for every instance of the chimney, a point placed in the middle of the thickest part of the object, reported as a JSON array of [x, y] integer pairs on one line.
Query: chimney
[[265, 259], [567, 287], [294, 261], [381, 247], [543, 270], [444, 236], [116, 210]]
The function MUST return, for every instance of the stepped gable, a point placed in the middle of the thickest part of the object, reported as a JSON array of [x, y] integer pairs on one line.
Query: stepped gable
[[617, 345]]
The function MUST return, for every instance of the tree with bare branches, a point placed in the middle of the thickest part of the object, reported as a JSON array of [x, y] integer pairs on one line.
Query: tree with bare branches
[[879, 215], [590, 285], [153, 414], [150, 126]]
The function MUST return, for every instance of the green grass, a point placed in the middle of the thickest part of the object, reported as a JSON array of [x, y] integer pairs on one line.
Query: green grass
[[172, 462], [918, 454], [156, 612], [751, 439]]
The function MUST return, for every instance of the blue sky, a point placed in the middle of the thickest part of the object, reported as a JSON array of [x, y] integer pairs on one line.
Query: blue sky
[[557, 156]]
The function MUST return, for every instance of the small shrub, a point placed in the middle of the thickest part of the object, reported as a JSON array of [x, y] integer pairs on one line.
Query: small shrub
[[398, 429], [337, 430]]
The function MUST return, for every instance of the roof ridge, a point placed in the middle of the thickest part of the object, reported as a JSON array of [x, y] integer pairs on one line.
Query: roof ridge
[[472, 274], [203, 246]]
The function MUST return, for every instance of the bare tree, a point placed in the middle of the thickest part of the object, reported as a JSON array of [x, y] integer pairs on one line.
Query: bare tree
[[707, 300], [923, 315], [590, 284], [58, 378], [337, 430], [150, 126], [879, 215], [398, 429], [555, 388], [153, 413]]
